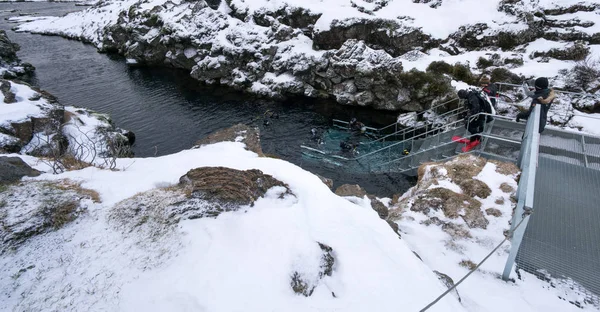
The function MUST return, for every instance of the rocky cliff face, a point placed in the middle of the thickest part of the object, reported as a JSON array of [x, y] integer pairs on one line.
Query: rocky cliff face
[[362, 55], [273, 57]]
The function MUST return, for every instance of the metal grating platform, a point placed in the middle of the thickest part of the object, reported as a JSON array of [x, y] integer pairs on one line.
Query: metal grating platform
[[562, 239]]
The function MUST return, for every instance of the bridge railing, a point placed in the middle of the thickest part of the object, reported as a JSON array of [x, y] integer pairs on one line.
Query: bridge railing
[[528, 160]]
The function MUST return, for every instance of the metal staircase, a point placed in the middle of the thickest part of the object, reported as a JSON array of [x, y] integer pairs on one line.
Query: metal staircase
[[501, 140]]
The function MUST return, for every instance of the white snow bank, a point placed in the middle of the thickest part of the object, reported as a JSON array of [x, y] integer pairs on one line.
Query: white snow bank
[[589, 123], [23, 108], [86, 24], [238, 261]]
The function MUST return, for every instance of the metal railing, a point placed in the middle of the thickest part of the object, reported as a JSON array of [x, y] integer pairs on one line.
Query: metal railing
[[528, 158], [411, 131], [342, 124], [438, 130], [555, 90]]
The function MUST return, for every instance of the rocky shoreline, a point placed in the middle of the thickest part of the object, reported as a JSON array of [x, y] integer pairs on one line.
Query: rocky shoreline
[[287, 49], [33, 122]]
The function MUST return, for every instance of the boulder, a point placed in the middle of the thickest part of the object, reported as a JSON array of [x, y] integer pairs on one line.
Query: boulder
[[351, 190], [229, 187], [9, 96], [453, 205], [12, 169], [237, 133], [304, 283], [389, 35], [9, 144], [8, 49], [379, 207], [326, 181], [23, 130]]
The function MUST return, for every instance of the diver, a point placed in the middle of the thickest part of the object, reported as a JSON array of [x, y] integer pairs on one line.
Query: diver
[[357, 126], [315, 136]]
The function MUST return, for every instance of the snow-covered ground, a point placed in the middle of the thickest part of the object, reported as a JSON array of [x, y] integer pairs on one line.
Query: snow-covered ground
[[242, 260]]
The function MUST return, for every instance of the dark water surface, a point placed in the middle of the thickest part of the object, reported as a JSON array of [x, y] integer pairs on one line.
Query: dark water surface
[[168, 111]]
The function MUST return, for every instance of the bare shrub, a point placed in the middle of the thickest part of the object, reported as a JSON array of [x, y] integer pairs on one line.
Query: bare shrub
[[78, 149], [584, 75]]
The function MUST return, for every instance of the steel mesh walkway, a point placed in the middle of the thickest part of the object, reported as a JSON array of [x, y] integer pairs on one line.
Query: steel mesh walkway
[[562, 239]]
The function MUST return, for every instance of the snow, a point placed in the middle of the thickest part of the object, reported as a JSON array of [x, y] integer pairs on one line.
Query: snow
[[589, 123], [201, 266], [80, 24], [439, 23], [243, 260], [23, 108], [22, 19]]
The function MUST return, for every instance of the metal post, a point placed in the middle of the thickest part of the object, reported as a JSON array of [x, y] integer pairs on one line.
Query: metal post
[[583, 147], [525, 190]]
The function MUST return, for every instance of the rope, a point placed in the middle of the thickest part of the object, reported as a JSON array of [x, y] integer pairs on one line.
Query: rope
[[510, 234]]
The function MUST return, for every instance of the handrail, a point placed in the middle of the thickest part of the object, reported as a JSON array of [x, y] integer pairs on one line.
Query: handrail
[[421, 151], [395, 123], [556, 90], [528, 158], [423, 112], [424, 134], [404, 131], [444, 144], [445, 127]]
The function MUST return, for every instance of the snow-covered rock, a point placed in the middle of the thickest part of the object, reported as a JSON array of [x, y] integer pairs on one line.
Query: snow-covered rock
[[13, 169], [301, 252], [10, 65], [33, 122], [357, 53]]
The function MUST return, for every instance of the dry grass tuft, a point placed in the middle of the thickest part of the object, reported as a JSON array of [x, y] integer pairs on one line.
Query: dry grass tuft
[[61, 213], [506, 188], [68, 185], [506, 168], [468, 264], [493, 212], [474, 187], [72, 163]]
